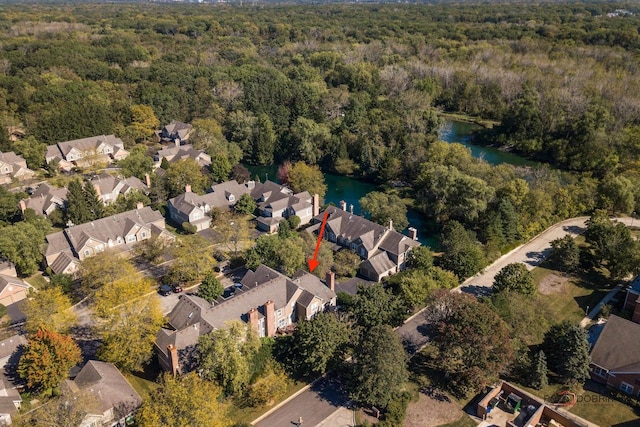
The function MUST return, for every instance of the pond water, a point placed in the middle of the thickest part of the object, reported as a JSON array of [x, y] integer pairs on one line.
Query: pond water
[[351, 189]]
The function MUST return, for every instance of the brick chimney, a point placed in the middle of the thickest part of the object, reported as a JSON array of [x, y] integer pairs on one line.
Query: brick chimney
[[147, 179], [253, 319], [139, 205], [270, 319], [413, 233], [343, 205], [187, 188], [330, 280], [316, 204], [173, 359], [23, 206]]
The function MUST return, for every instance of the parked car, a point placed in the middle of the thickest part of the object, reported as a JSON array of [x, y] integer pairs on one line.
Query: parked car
[[164, 290], [176, 288]]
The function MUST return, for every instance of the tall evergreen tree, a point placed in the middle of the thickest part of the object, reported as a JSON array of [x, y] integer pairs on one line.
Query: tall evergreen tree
[[568, 350], [77, 208], [94, 205], [539, 378]]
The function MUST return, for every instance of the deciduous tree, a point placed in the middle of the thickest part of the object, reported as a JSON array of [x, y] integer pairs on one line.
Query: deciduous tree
[[384, 207], [50, 309], [192, 259], [565, 254], [210, 288], [182, 173], [303, 177], [47, 359], [187, 400], [374, 305], [245, 205], [516, 278], [463, 254]]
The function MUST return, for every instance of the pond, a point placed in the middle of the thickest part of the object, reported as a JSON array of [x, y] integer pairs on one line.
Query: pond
[[351, 190]]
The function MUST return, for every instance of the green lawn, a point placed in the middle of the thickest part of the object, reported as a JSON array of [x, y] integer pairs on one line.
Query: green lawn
[[246, 415], [143, 382], [463, 421], [37, 280]]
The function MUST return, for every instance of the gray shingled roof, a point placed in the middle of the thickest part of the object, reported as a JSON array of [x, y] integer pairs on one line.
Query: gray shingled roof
[[44, 197], [618, 347], [380, 263], [10, 345], [84, 144], [218, 197], [105, 382]]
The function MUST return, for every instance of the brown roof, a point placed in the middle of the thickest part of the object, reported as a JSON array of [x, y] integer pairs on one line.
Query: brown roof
[[618, 347]]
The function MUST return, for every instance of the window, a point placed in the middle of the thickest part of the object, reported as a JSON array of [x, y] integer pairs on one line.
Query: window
[[144, 234], [362, 252], [99, 248], [6, 169], [627, 388], [353, 246], [131, 238], [279, 313], [196, 215], [119, 239], [282, 323], [87, 253], [314, 308], [599, 371]]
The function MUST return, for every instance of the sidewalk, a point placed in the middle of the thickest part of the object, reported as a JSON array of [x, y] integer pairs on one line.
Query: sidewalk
[[594, 312]]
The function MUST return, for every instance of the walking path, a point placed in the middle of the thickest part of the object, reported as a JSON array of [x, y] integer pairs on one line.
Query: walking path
[[594, 312]]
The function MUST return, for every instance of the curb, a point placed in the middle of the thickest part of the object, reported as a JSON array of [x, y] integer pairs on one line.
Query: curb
[[284, 402]]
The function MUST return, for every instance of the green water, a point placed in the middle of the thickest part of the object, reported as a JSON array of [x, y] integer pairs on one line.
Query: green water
[[351, 189]]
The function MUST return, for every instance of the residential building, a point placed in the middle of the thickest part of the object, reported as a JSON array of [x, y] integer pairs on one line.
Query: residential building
[[507, 405], [65, 249], [10, 401], [182, 152], [96, 150], [13, 168], [277, 202], [265, 299], [175, 132], [383, 250], [45, 199], [615, 357], [12, 289], [194, 208], [109, 187], [113, 399]]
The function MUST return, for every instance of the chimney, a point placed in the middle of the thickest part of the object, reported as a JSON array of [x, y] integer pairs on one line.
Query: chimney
[[253, 319], [343, 205], [23, 206], [251, 185], [139, 205], [187, 188], [270, 319], [147, 179], [316, 205], [97, 187], [351, 209], [173, 359], [413, 233], [390, 224], [330, 280]]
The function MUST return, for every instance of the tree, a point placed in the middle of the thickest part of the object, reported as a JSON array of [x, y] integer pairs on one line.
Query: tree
[[234, 230], [50, 309], [144, 122], [118, 292], [309, 139], [137, 321], [463, 254], [245, 205], [473, 343], [421, 257], [8, 205], [47, 359], [346, 263], [240, 173], [379, 370], [152, 250], [224, 355], [374, 305], [192, 259], [94, 204], [77, 207], [68, 409], [269, 387], [320, 343], [539, 378], [105, 268], [514, 277], [210, 288], [182, 173], [264, 140], [137, 163], [127, 202], [23, 244], [220, 168], [303, 177], [285, 254], [384, 208], [184, 401], [565, 254], [567, 350]]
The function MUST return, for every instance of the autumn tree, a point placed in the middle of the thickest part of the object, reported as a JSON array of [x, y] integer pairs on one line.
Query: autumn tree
[[182, 173], [473, 343], [144, 122], [47, 359], [68, 409], [186, 400], [303, 177], [516, 278], [346, 263], [380, 367], [269, 387], [234, 230], [385, 208], [210, 288], [51, 309], [192, 259], [104, 268], [320, 343], [224, 356]]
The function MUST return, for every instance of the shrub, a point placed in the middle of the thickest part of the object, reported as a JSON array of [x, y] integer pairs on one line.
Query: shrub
[[191, 229]]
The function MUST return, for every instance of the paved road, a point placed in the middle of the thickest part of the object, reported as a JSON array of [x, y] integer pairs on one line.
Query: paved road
[[314, 405]]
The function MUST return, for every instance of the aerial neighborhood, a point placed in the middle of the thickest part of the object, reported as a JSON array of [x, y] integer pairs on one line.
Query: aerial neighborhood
[[340, 214]]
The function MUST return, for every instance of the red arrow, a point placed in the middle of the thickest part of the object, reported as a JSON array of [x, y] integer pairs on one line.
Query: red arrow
[[313, 262]]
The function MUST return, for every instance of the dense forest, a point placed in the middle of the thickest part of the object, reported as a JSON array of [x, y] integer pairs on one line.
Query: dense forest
[[355, 89]]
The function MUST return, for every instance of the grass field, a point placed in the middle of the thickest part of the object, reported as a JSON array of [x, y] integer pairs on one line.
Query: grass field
[[463, 421]]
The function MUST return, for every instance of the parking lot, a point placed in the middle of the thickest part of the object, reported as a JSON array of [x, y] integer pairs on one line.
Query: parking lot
[[167, 303]]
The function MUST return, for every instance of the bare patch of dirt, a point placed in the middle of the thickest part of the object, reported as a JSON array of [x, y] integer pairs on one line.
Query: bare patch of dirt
[[552, 284], [431, 411]]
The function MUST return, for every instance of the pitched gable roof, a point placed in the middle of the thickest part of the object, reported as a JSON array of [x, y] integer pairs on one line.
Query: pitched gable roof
[[105, 382], [618, 347]]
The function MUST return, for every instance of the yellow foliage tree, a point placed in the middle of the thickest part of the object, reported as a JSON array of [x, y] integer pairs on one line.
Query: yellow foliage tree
[[270, 387], [51, 309]]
